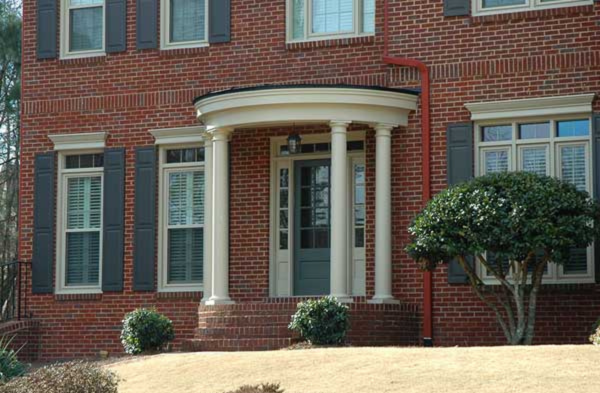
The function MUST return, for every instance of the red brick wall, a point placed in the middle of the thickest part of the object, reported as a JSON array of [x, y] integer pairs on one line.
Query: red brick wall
[[519, 55]]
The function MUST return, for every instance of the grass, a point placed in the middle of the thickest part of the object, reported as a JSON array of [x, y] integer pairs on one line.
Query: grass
[[540, 369]]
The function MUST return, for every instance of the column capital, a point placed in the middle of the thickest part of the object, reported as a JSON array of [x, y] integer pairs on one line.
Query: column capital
[[384, 129], [220, 134], [207, 137], [339, 125]]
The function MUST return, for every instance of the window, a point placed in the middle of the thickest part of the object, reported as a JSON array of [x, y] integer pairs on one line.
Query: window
[[83, 28], [559, 147], [80, 222], [323, 19], [182, 219], [184, 24], [485, 7]]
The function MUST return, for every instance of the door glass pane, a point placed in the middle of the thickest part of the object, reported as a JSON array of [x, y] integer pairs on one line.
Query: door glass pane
[[496, 161], [535, 160], [359, 205], [534, 130], [283, 208], [573, 128], [86, 29], [572, 161], [314, 207], [322, 238], [187, 20]]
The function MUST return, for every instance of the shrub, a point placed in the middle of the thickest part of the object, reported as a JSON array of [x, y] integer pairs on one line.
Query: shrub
[[10, 366], [75, 377], [146, 330], [595, 337], [322, 322], [263, 388]]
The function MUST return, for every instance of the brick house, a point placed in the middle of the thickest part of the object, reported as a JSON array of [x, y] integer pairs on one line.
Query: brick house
[[220, 160]]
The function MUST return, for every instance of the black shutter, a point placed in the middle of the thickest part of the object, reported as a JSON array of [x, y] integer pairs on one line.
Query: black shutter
[[116, 16], [459, 157], [596, 175], [219, 21], [113, 215], [43, 224], [457, 7], [145, 219], [146, 24], [46, 29]]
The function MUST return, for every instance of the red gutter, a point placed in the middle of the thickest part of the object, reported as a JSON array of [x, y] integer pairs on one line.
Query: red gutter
[[426, 169]]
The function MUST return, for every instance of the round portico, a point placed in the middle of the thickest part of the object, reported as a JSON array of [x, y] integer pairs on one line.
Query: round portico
[[336, 105]]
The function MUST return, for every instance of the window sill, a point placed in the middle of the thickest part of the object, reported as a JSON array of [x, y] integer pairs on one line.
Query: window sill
[[195, 295], [525, 15], [65, 297], [330, 42], [96, 58]]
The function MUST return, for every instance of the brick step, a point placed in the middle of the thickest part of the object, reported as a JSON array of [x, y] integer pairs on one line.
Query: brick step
[[241, 332], [232, 345], [243, 320]]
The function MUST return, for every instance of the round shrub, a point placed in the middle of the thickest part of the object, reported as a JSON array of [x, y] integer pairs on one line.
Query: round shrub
[[595, 337], [74, 377], [322, 321], [146, 330]]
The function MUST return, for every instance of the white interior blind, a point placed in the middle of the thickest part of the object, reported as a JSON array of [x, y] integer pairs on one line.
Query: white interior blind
[[535, 160], [331, 16], [84, 221], [185, 227], [187, 20], [573, 165], [496, 161]]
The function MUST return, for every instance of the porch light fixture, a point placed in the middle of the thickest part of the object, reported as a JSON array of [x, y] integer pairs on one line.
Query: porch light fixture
[[294, 142]]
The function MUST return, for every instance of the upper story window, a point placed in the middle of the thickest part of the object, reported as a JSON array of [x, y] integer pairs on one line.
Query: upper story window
[[83, 28], [323, 19], [557, 146], [80, 222], [487, 7], [184, 23]]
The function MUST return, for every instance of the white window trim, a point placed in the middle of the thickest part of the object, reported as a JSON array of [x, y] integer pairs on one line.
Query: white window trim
[[530, 5], [65, 53], [180, 135], [165, 29], [61, 226], [281, 285], [309, 37], [78, 142], [555, 272], [163, 285]]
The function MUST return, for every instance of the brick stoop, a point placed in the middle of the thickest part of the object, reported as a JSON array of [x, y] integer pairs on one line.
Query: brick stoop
[[263, 325], [25, 337]]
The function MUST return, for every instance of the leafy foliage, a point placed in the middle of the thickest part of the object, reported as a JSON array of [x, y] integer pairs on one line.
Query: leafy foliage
[[75, 377], [595, 337], [520, 217], [146, 330], [263, 388], [509, 214], [322, 322], [10, 366]]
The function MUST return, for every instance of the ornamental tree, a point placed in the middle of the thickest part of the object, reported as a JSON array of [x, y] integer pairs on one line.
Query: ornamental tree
[[527, 219]]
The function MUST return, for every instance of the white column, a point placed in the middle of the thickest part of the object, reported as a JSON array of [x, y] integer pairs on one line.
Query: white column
[[208, 209], [383, 215], [220, 218], [339, 211]]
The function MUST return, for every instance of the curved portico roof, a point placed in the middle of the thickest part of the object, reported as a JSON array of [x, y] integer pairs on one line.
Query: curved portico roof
[[287, 104]]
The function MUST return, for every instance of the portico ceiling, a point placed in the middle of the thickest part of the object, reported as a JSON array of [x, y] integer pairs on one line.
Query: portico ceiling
[[287, 104]]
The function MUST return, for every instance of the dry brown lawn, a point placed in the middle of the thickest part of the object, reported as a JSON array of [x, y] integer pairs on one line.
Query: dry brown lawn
[[541, 369]]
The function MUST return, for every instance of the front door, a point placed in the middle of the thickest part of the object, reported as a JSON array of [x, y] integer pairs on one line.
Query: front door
[[311, 227]]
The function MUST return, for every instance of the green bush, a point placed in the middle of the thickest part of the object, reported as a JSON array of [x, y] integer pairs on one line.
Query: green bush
[[595, 337], [10, 366], [146, 330], [322, 322], [75, 377], [263, 388]]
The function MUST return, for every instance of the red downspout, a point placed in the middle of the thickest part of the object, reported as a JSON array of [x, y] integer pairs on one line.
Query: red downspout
[[425, 151]]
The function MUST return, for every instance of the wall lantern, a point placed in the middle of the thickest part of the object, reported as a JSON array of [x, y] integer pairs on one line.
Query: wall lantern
[[294, 141]]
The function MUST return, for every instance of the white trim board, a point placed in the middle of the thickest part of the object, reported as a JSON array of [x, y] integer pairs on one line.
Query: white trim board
[[531, 107], [179, 135], [88, 140]]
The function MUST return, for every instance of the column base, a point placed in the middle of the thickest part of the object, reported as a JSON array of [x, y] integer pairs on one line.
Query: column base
[[343, 298], [218, 301], [383, 300]]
